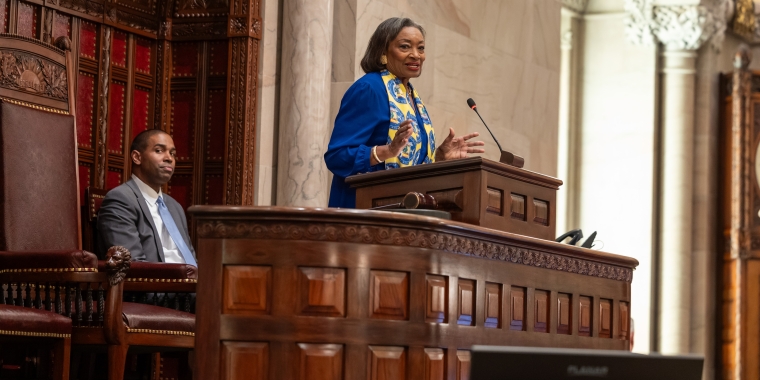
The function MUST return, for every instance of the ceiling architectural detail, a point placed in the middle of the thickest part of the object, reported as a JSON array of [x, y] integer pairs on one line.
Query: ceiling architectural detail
[[678, 27], [745, 22]]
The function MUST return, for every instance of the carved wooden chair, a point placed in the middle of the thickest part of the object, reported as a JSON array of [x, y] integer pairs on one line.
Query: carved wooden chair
[[40, 236]]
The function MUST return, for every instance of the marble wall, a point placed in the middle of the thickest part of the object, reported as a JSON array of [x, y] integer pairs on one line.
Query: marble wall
[[616, 141], [505, 54]]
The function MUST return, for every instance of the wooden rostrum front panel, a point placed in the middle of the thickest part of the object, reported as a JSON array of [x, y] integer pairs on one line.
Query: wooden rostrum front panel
[[345, 294]]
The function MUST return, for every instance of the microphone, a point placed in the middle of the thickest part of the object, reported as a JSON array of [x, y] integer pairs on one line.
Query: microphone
[[506, 157]]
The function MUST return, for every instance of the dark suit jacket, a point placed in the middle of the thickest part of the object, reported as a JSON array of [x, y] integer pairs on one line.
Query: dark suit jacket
[[124, 219]]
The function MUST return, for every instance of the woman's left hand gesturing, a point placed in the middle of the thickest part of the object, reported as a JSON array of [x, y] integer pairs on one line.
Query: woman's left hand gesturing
[[458, 147]]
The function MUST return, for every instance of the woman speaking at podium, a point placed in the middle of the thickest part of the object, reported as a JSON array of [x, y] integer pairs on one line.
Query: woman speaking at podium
[[382, 122]]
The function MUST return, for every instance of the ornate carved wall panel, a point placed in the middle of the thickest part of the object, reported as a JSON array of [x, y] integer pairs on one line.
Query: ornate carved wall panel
[[158, 64], [739, 239]]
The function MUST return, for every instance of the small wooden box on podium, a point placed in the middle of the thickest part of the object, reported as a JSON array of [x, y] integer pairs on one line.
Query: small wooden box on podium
[[475, 190]]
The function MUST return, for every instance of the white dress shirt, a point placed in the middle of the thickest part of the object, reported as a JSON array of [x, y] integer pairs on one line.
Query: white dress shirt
[[171, 252]]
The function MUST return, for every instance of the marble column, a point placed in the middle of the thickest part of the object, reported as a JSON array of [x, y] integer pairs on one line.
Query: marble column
[[681, 30], [567, 196], [304, 126], [677, 126]]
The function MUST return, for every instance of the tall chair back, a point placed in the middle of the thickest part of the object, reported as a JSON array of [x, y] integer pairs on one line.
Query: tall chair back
[[38, 154]]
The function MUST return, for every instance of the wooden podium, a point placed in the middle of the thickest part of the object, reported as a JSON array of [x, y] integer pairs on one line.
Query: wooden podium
[[475, 190], [299, 293]]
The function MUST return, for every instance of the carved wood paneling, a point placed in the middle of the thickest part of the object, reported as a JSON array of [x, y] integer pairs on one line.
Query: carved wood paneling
[[34, 75], [435, 364], [140, 111], [464, 361], [517, 302], [61, 25], [247, 289], [181, 187], [387, 363], [493, 307], [429, 345], [322, 291], [104, 80], [517, 206], [201, 8], [28, 19], [495, 202], [242, 86], [215, 136], [245, 361], [541, 212], [389, 295], [182, 125], [605, 318], [119, 49], [116, 118], [437, 297], [162, 94], [585, 316], [4, 15], [401, 237], [624, 320], [541, 311], [466, 302], [124, 53], [564, 313], [320, 361]]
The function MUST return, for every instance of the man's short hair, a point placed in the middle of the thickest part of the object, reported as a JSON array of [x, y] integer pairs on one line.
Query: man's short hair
[[140, 142]]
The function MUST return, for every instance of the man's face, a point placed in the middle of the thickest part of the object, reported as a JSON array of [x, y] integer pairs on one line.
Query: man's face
[[157, 161]]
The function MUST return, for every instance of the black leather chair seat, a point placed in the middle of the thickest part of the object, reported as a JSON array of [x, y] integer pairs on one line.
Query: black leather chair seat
[[26, 321], [158, 320]]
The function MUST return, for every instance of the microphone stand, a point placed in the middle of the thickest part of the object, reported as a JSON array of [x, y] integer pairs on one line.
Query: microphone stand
[[508, 158]]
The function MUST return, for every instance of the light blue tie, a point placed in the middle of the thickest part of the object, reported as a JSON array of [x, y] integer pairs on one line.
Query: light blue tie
[[174, 233]]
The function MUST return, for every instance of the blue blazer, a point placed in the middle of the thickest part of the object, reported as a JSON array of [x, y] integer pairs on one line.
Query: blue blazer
[[362, 122]]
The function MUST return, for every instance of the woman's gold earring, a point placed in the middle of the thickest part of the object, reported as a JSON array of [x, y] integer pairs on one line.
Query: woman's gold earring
[[383, 60]]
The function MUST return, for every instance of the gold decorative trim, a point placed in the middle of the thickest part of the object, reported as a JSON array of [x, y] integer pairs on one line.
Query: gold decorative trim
[[744, 22], [35, 106], [48, 270], [34, 334], [162, 332], [174, 280]]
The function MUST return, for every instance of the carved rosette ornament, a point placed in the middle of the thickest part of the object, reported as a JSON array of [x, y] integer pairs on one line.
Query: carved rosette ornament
[[29, 73], [678, 27]]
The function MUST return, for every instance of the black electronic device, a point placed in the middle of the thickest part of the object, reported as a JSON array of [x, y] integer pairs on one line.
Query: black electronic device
[[535, 363]]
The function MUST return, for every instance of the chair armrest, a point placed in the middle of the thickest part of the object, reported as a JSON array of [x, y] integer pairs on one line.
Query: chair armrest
[[143, 270], [159, 277], [48, 261]]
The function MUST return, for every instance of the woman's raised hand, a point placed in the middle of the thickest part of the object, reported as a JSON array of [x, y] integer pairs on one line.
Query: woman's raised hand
[[400, 139], [393, 149], [458, 147]]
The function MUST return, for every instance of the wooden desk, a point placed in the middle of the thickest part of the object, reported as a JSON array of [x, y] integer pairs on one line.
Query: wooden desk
[[477, 191], [356, 294]]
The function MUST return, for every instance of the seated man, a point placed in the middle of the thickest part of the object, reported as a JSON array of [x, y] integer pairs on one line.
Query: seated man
[[138, 216]]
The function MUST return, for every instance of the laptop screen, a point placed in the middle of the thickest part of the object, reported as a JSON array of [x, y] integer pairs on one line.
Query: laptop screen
[[534, 363]]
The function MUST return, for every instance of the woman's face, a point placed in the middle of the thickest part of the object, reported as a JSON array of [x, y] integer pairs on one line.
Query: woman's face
[[406, 54]]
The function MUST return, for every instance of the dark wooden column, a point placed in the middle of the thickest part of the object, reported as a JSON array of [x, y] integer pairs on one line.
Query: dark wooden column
[[244, 32]]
